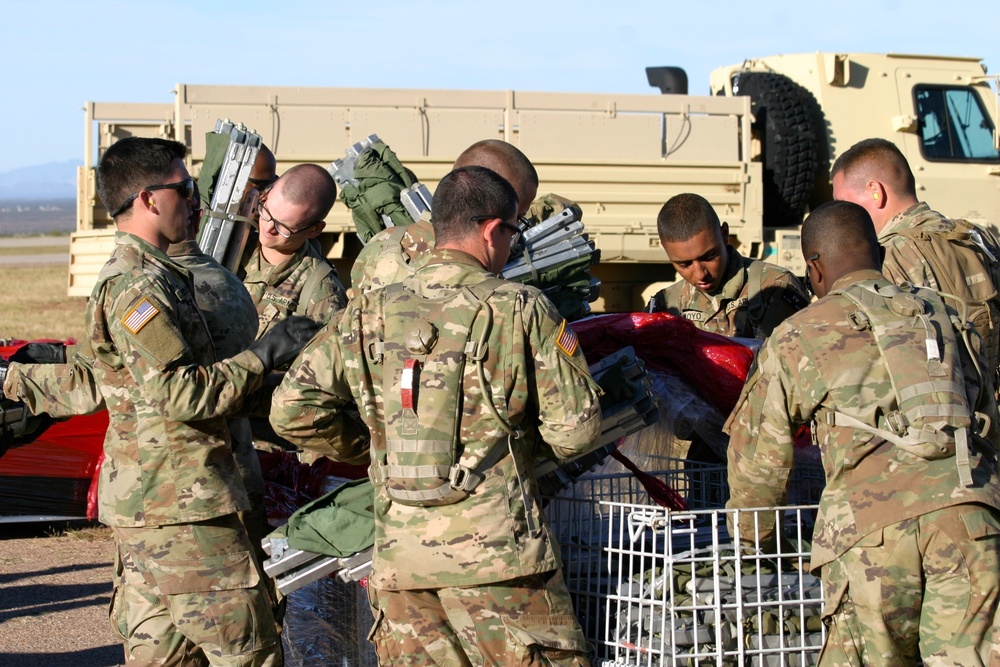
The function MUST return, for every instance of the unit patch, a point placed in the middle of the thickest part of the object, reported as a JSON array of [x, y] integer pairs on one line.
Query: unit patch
[[566, 340], [140, 316]]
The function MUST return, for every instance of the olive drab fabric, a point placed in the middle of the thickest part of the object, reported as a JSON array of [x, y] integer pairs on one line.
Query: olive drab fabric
[[216, 149], [538, 381], [920, 348], [753, 298], [339, 524], [380, 179], [955, 258]]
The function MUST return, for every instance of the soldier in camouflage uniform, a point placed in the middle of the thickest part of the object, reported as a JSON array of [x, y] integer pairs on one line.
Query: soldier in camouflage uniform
[[721, 291], [190, 592], [396, 253], [287, 273], [478, 580], [874, 174], [909, 555]]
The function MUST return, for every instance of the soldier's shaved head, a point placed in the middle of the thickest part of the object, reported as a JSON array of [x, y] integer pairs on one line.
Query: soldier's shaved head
[[685, 215], [506, 160], [309, 184], [875, 159], [840, 234]]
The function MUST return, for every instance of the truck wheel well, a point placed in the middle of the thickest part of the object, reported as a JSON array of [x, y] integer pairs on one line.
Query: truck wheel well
[[789, 126]]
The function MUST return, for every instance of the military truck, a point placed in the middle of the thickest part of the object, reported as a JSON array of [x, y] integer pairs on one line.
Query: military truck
[[758, 148]]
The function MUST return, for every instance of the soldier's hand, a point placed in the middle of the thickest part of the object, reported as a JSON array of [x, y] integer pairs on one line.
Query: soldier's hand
[[40, 353], [3, 376], [279, 346]]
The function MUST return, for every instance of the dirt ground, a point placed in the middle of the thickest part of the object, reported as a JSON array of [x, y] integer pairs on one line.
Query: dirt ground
[[55, 586]]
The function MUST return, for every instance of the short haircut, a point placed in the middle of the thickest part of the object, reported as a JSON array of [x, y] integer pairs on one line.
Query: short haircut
[[685, 215], [312, 185], [875, 159], [842, 233], [466, 193], [503, 158], [134, 163]]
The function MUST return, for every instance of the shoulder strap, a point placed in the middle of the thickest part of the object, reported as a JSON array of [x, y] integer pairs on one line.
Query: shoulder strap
[[312, 284], [755, 304]]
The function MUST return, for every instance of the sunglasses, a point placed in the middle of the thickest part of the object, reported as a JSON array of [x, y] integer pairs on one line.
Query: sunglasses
[[522, 224], [186, 188]]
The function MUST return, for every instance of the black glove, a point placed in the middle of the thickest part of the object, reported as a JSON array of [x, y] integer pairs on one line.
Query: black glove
[[18, 427], [40, 353], [279, 346]]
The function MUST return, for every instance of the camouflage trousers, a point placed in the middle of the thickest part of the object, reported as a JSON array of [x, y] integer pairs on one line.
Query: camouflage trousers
[[525, 621], [191, 595], [927, 587]]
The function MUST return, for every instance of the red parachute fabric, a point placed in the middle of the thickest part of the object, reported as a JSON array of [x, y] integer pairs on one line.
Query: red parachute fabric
[[716, 366]]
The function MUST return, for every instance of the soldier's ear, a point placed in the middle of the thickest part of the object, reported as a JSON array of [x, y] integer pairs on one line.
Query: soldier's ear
[[316, 229]]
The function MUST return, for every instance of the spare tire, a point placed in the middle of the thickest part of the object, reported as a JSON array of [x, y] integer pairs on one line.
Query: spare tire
[[789, 125]]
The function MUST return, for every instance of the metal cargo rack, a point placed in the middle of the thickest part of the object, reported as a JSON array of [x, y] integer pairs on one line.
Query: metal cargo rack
[[653, 586]]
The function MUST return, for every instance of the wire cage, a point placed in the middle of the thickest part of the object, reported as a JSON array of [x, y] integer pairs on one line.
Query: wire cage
[[659, 586]]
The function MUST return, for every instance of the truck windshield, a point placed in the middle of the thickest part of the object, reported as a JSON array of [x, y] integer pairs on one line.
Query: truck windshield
[[954, 125]]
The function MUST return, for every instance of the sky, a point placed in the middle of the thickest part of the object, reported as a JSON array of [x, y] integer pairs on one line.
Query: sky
[[58, 54]]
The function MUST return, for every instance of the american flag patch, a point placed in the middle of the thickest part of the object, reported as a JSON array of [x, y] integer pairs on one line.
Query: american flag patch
[[139, 316], [566, 340]]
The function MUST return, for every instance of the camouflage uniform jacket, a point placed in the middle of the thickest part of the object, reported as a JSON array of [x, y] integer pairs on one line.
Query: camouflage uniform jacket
[[278, 290], [392, 255], [231, 317], [168, 458], [900, 266], [539, 380], [815, 362], [737, 308]]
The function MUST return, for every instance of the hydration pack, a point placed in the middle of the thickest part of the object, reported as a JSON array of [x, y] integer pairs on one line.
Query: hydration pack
[[918, 342], [431, 364]]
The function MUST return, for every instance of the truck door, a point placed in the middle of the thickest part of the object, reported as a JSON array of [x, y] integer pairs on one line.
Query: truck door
[[946, 133]]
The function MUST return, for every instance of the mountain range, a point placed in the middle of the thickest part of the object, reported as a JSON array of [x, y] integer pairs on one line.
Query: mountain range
[[54, 180]]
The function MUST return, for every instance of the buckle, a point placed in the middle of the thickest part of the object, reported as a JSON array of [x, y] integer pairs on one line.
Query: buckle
[[897, 422], [463, 479]]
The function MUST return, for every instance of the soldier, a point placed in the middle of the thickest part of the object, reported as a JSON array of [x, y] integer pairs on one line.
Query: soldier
[[457, 578], [908, 536], [921, 246], [190, 592], [287, 273], [722, 291], [395, 253]]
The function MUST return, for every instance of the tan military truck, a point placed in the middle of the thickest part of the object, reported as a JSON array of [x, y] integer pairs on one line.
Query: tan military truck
[[759, 148]]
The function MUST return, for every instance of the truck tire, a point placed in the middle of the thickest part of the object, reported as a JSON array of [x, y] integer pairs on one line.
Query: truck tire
[[788, 124]]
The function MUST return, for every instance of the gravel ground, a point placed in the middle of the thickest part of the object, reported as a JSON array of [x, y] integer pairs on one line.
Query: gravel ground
[[55, 586]]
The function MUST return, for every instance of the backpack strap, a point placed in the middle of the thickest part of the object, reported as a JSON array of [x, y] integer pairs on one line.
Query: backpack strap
[[312, 284], [755, 303]]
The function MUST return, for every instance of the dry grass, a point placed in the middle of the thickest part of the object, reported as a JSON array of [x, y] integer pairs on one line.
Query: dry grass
[[34, 303]]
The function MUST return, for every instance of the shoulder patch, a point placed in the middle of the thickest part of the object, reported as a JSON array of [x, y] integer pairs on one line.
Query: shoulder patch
[[566, 340], [140, 315]]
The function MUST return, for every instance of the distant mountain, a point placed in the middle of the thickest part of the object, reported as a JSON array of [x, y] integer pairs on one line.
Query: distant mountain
[[55, 180]]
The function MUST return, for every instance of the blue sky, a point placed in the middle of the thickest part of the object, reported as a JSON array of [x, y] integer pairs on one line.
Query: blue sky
[[57, 54]]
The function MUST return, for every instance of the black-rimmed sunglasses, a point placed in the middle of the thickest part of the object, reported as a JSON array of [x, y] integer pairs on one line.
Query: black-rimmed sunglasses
[[186, 188], [280, 227], [518, 229]]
